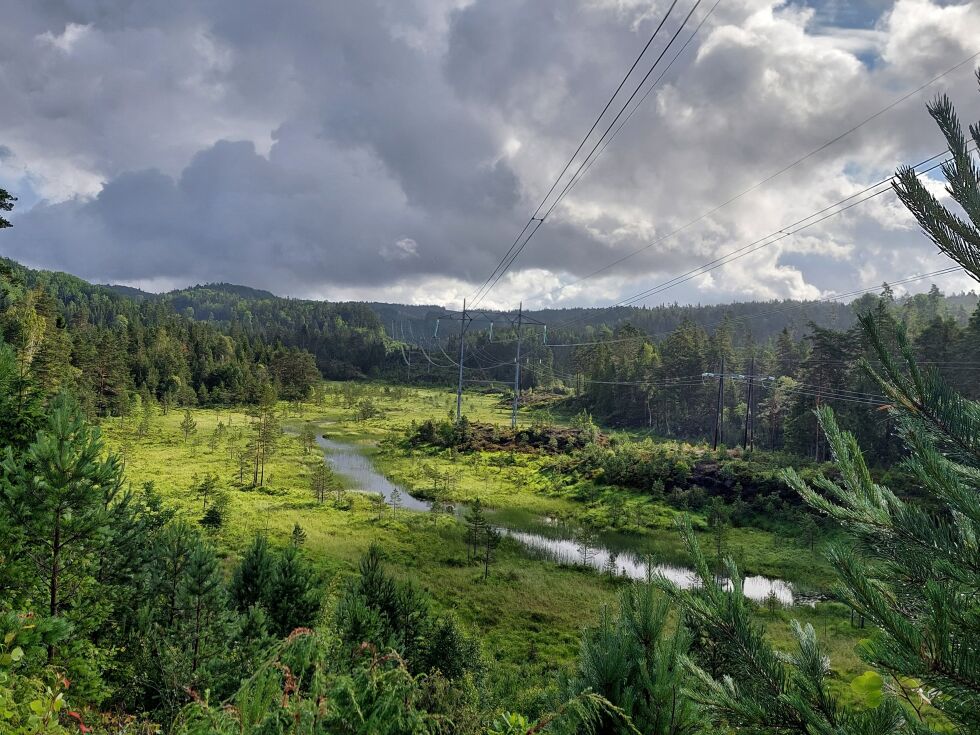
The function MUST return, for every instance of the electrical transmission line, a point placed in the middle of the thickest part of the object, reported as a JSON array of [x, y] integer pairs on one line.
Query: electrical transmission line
[[535, 221], [772, 238], [768, 178]]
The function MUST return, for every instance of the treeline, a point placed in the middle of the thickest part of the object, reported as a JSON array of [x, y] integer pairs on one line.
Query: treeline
[[628, 377], [633, 380], [107, 349], [346, 339]]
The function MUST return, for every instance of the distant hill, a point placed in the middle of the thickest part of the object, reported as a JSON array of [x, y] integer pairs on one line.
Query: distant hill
[[760, 320]]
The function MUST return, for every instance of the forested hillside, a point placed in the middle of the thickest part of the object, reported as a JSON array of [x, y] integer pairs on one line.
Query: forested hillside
[[346, 339], [222, 343], [668, 382], [111, 348]]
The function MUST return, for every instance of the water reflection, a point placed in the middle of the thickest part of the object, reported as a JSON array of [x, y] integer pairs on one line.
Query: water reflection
[[628, 564], [347, 461]]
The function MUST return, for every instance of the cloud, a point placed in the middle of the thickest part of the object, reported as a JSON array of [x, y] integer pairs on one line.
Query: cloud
[[400, 249], [397, 147]]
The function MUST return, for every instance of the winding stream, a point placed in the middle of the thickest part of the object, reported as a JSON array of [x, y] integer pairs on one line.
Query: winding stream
[[555, 543]]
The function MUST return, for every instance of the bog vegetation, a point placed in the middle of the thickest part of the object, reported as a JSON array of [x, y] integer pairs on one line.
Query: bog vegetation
[[176, 556]]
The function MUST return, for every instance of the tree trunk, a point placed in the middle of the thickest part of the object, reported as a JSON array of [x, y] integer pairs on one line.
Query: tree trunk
[[55, 571], [197, 634]]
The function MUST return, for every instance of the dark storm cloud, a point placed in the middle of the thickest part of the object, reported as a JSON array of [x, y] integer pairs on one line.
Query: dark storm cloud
[[395, 148]]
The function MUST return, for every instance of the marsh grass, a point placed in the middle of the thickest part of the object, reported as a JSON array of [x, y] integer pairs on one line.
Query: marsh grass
[[531, 611]]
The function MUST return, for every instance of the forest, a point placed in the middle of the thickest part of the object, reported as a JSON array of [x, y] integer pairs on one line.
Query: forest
[[184, 550]]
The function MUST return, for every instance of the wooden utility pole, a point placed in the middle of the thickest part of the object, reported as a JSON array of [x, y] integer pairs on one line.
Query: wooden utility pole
[[517, 368], [748, 438], [720, 409], [462, 344]]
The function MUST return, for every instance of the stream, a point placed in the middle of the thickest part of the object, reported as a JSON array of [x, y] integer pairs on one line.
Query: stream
[[611, 553]]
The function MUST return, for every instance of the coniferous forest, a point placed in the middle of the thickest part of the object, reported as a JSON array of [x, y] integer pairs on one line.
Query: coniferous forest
[[226, 511]]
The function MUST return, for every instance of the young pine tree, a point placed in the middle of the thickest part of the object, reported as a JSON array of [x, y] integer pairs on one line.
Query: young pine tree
[[251, 583], [63, 495], [188, 426], [635, 661], [293, 600]]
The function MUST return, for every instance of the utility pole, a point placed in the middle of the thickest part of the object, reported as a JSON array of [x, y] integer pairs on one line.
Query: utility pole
[[748, 438], [517, 367], [459, 387], [720, 409]]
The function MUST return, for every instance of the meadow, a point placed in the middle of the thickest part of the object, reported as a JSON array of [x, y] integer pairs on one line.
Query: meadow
[[530, 613]]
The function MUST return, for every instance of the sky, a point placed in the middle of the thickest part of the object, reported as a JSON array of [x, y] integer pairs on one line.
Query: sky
[[392, 150]]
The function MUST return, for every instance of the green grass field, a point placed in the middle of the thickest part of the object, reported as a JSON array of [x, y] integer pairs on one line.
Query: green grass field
[[529, 614]]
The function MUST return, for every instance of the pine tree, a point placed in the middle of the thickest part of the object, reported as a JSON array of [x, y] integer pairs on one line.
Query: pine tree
[[958, 238], [298, 536], [307, 437], [475, 521], [6, 204], [490, 541], [188, 426], [63, 495], [147, 415], [378, 505], [586, 540], [293, 600], [320, 481], [203, 599], [635, 662], [251, 583], [909, 566]]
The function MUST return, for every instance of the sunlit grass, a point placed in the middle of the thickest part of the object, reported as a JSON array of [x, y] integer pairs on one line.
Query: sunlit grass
[[530, 613]]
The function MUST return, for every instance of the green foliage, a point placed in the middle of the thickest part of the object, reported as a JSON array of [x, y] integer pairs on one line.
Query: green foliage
[[65, 501], [299, 691], [251, 582], [293, 599], [103, 345], [282, 584], [298, 536], [6, 204], [32, 698], [188, 427], [634, 661], [751, 685], [958, 238], [387, 615], [307, 436]]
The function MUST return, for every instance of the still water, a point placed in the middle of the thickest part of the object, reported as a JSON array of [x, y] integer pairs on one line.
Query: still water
[[557, 544]]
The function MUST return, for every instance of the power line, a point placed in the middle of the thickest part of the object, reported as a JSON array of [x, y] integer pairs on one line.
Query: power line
[[646, 94], [763, 242], [564, 170], [773, 175], [511, 255]]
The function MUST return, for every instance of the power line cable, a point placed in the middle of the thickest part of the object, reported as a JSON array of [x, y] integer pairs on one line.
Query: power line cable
[[763, 242], [578, 149], [540, 220], [775, 174]]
